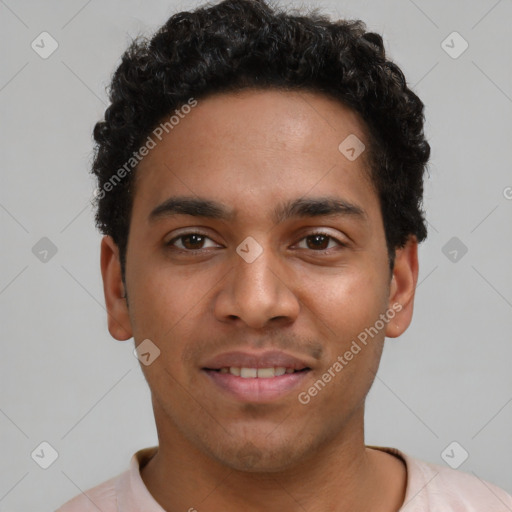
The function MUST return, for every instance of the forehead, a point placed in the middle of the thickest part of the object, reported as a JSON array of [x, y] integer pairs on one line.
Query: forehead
[[253, 148]]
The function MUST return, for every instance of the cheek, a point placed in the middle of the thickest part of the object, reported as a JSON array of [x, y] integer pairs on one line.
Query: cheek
[[170, 304], [161, 300], [349, 307], [347, 302]]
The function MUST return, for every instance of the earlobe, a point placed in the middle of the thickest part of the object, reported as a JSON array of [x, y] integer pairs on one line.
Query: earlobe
[[119, 324], [403, 287]]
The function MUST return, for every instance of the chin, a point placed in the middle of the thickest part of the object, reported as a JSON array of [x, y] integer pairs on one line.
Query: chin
[[257, 452], [258, 459]]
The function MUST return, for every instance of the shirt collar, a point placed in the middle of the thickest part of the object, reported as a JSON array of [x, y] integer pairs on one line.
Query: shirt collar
[[132, 494]]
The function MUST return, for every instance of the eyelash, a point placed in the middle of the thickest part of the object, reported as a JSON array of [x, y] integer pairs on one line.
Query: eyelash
[[170, 243]]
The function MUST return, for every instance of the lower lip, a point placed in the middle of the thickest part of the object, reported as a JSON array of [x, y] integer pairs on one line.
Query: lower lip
[[257, 389]]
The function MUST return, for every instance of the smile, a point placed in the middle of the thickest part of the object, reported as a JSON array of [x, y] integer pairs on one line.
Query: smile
[[260, 373], [256, 385]]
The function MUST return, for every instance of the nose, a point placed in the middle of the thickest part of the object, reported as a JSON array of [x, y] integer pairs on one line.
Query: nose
[[257, 293]]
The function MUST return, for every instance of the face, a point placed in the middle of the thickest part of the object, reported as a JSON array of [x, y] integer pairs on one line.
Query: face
[[278, 266]]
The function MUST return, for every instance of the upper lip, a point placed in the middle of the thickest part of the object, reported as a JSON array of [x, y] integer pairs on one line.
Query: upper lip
[[268, 359]]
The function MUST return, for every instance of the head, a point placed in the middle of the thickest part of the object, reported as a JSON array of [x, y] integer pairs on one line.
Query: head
[[263, 102]]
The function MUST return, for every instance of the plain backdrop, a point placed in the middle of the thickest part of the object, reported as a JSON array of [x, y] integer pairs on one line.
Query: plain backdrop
[[66, 382]]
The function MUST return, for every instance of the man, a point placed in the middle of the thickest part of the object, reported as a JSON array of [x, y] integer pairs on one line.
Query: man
[[260, 178]]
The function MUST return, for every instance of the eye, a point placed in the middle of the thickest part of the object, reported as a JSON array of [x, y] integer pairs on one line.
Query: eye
[[317, 242], [189, 241], [194, 241]]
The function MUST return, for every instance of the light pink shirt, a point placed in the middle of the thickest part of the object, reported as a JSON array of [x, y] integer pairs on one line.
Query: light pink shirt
[[430, 488]]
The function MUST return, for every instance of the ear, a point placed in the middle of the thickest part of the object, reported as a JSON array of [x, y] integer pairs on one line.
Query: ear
[[403, 288], [119, 324]]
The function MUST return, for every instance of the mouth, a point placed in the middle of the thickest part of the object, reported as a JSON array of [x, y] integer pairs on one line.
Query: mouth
[[257, 373], [256, 378]]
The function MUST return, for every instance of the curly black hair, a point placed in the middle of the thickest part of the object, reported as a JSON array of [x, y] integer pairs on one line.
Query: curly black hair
[[249, 44]]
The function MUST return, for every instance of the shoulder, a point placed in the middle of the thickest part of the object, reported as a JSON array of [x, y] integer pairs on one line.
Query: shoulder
[[436, 488], [102, 497], [439, 487], [121, 492]]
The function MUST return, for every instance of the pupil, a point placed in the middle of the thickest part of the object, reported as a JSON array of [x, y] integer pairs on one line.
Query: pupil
[[194, 238], [317, 239]]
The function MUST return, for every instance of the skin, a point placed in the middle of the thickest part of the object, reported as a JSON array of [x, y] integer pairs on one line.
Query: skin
[[251, 151]]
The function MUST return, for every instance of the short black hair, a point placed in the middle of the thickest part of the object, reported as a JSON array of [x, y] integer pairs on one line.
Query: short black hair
[[249, 44]]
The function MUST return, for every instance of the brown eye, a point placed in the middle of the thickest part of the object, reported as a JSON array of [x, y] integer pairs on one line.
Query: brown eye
[[193, 241], [320, 242], [189, 242]]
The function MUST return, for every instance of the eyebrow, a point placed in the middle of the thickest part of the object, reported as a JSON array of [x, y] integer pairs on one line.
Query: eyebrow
[[301, 207]]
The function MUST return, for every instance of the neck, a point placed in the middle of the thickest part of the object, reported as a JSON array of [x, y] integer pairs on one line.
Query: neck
[[342, 475]]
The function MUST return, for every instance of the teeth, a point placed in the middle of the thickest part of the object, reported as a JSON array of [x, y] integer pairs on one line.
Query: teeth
[[262, 373], [266, 373], [248, 373]]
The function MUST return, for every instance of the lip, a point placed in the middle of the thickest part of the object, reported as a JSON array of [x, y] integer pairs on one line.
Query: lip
[[271, 358], [257, 390]]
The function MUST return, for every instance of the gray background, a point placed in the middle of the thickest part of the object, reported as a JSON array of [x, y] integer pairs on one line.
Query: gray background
[[64, 380]]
